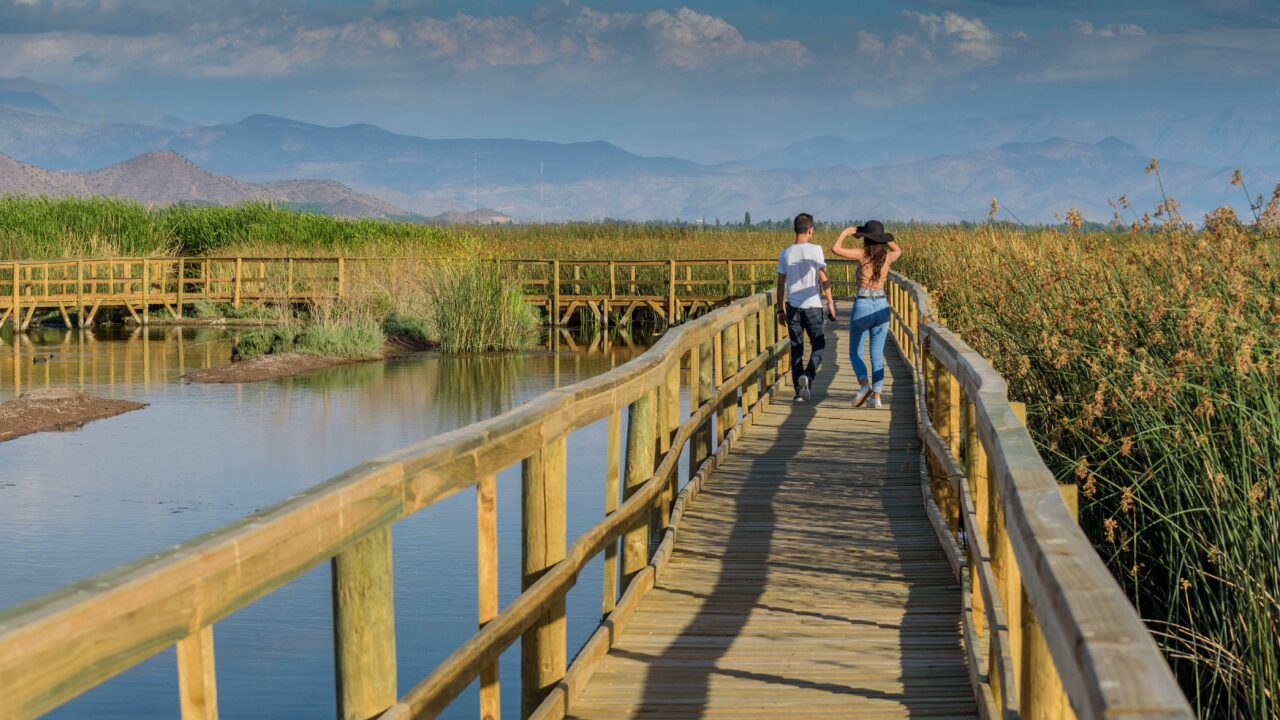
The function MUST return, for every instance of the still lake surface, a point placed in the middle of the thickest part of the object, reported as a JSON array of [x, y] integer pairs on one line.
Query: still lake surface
[[73, 504]]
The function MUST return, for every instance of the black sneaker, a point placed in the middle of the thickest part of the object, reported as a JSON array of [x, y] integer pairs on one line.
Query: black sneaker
[[802, 389]]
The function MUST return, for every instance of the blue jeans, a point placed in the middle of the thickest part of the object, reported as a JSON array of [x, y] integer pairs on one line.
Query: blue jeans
[[869, 320], [801, 322]]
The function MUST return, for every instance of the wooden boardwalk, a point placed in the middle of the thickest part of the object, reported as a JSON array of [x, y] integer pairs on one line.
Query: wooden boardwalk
[[806, 581]]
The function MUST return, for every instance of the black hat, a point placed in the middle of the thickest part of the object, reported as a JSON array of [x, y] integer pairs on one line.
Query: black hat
[[874, 232]]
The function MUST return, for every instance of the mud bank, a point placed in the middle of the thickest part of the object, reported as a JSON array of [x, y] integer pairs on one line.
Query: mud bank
[[57, 409]]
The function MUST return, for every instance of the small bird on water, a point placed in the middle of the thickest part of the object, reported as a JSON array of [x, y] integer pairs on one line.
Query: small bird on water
[[42, 358]]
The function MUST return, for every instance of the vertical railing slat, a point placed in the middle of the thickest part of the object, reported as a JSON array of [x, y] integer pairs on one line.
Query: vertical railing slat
[[543, 647], [612, 485], [487, 586], [197, 681], [364, 634], [640, 462]]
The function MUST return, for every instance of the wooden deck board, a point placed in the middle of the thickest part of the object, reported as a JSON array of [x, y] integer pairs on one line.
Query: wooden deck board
[[806, 582]]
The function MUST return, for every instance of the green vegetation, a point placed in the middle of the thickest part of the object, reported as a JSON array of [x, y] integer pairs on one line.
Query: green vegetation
[[468, 307], [1148, 356], [1149, 366]]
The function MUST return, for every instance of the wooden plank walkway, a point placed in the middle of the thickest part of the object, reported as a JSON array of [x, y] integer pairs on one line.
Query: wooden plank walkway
[[807, 580]]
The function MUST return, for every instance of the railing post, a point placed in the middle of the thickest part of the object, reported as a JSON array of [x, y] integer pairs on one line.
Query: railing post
[[542, 648], [701, 387], [182, 276], [612, 481], [751, 333], [729, 366], [197, 683], [80, 293], [364, 635], [673, 310], [979, 487], [555, 293], [729, 263], [146, 291], [487, 586], [235, 296], [1043, 697], [640, 427], [17, 309], [342, 277]]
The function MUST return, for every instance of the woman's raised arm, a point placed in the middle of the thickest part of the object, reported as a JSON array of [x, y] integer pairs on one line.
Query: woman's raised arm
[[853, 253]]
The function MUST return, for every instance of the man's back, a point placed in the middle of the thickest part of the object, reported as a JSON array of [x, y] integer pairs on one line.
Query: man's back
[[800, 264]]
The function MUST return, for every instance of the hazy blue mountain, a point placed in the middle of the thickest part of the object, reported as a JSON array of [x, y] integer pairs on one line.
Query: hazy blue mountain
[[1217, 137], [265, 146], [165, 178], [39, 98], [1036, 164], [1034, 180], [62, 144]]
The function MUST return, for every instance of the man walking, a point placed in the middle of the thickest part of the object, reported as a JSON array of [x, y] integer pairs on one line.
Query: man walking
[[801, 271]]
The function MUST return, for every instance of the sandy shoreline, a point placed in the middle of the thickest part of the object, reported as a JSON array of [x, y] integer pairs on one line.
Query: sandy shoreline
[[57, 409]]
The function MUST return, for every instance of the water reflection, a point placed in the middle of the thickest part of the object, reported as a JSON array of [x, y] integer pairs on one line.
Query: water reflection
[[201, 456]]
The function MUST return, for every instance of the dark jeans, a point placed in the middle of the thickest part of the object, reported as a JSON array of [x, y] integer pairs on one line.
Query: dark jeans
[[801, 322]]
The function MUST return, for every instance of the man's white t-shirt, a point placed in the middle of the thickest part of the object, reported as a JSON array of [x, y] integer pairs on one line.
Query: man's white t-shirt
[[801, 263]]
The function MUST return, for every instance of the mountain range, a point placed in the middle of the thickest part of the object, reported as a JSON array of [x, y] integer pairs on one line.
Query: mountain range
[[1039, 166], [164, 178]]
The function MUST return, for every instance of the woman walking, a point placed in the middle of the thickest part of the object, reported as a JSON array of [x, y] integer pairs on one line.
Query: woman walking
[[869, 322]]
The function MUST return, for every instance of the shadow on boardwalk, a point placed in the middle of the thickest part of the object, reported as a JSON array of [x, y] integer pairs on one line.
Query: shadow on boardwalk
[[806, 580]]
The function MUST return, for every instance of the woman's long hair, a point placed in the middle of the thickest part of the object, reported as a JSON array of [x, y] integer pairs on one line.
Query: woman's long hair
[[875, 254]]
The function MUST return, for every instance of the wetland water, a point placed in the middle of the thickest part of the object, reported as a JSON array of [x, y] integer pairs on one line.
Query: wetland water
[[73, 504]]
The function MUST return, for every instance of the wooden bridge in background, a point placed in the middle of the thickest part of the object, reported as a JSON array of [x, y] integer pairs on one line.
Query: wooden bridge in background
[[608, 291], [819, 561]]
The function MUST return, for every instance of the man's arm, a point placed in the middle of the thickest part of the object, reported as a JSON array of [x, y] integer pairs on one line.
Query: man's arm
[[826, 291], [782, 298]]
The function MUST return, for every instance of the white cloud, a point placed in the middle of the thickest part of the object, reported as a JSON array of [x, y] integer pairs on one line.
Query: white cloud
[[964, 37], [283, 43], [930, 50], [1086, 27]]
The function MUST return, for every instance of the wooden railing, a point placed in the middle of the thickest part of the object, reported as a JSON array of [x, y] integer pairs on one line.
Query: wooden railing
[[60, 645], [609, 290], [1049, 632]]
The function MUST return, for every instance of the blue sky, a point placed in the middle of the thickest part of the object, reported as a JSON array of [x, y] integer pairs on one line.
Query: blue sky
[[710, 80]]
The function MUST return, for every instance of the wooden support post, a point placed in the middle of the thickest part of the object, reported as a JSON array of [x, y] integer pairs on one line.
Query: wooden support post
[[342, 277], [1042, 695], [701, 386], [364, 634], [182, 280], [288, 294], [17, 307], [146, 291], [980, 489], [640, 445], [543, 653], [577, 275], [197, 683], [80, 292], [555, 293], [612, 486], [235, 296], [673, 310], [729, 358], [751, 334], [729, 266], [669, 425], [487, 586], [613, 281]]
